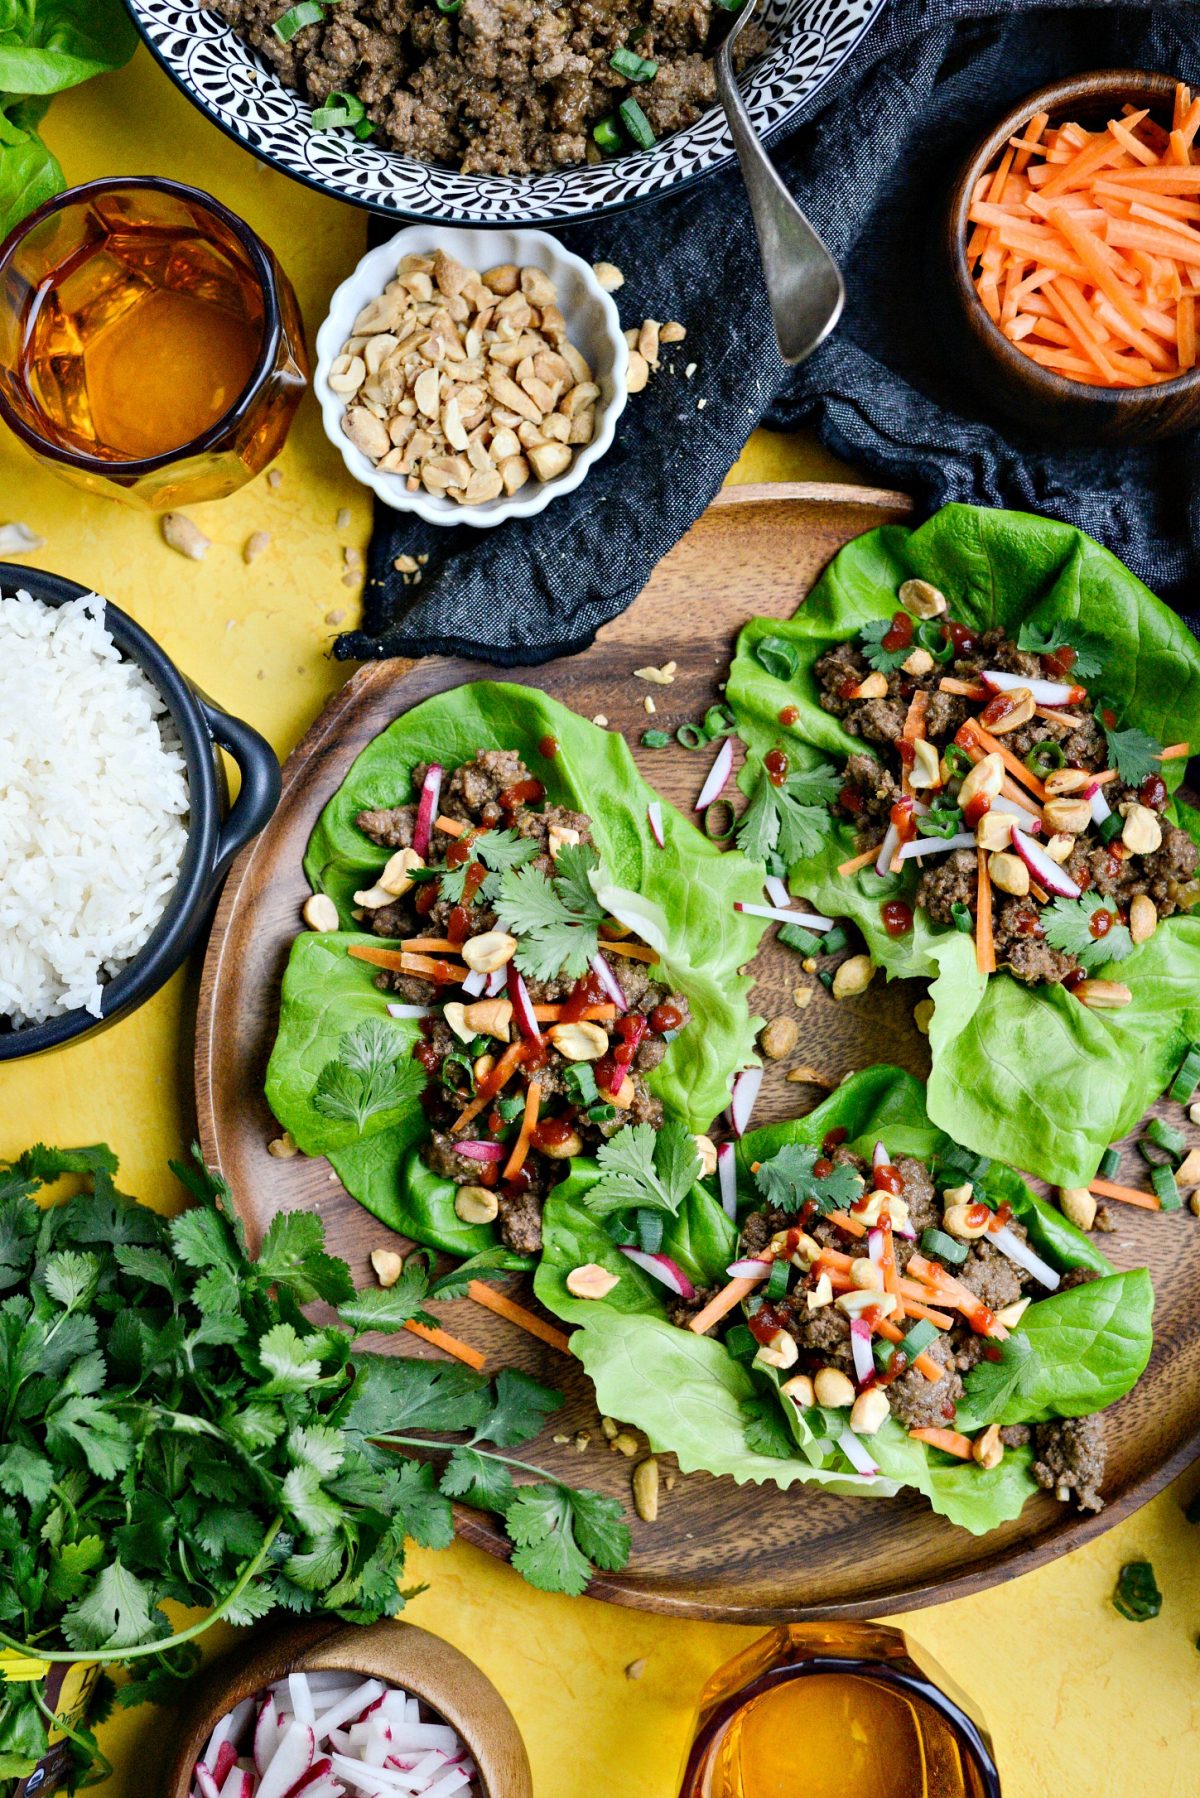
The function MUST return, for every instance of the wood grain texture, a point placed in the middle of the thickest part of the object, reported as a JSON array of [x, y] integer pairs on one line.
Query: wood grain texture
[[717, 1550], [421, 1664]]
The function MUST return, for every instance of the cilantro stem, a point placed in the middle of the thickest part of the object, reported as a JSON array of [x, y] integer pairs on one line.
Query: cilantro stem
[[486, 1454], [98, 1764], [98, 1655]]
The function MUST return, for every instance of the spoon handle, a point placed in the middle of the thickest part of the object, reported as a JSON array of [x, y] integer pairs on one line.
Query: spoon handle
[[804, 284]]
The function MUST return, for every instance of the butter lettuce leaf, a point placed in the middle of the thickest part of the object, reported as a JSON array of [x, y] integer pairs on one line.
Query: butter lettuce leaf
[[1027, 1074]]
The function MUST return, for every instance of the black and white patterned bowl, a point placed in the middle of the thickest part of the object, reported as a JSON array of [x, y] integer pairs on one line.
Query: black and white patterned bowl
[[229, 82]]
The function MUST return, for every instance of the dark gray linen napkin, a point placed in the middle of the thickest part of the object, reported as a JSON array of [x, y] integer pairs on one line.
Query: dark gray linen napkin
[[872, 173]]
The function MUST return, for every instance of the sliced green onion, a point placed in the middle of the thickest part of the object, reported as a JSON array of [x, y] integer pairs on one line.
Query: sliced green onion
[[339, 110], [619, 1230], [710, 828], [650, 1231], [1112, 827], [939, 823], [833, 940], [946, 1248], [363, 130], [957, 760], [962, 917], [607, 134], [601, 1114], [462, 1084], [883, 1350], [1162, 1179], [779, 657], [637, 124], [777, 1279], [918, 1339], [1045, 756], [795, 936], [1186, 1080], [826, 978], [931, 636], [690, 736], [741, 1343], [1110, 1163], [630, 64], [956, 1158], [1168, 1138], [719, 721], [656, 739], [449, 6], [510, 1108], [308, 12], [1137, 1597]]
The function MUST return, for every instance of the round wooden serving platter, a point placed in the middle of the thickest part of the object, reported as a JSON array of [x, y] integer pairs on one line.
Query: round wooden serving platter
[[718, 1550]]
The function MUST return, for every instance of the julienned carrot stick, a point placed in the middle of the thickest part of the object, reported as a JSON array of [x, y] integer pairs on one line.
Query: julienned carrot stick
[[634, 951], [449, 1345], [403, 962], [723, 1302], [1174, 751], [427, 945], [499, 1077], [450, 827], [550, 1014], [985, 948], [529, 1321], [516, 1161], [915, 1308], [949, 1441], [858, 861], [1128, 1195], [851, 1225]]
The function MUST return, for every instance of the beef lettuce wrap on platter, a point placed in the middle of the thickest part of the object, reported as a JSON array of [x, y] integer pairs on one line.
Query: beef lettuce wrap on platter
[[852, 1301], [518, 953], [968, 740]]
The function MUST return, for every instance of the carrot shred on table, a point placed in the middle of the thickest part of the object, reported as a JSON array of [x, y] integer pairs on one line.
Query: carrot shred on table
[[529, 1118], [529, 1321], [858, 861], [449, 1345], [490, 1085], [951, 1442], [550, 1014], [1128, 1195]]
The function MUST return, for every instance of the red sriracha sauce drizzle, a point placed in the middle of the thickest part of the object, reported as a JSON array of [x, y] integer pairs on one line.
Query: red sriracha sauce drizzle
[[833, 1138], [997, 710], [963, 640], [897, 917], [850, 799], [664, 1017], [525, 792], [775, 763], [1100, 923], [888, 1179], [1059, 662], [1153, 792], [900, 633], [789, 714], [974, 809], [548, 746], [586, 991], [904, 817], [766, 1322], [612, 1069]]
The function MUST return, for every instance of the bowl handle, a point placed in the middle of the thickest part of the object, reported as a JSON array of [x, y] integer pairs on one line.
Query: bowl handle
[[261, 782]]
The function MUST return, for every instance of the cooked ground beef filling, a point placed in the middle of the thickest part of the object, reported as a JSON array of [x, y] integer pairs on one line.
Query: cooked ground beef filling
[[947, 886], [496, 792], [499, 87]]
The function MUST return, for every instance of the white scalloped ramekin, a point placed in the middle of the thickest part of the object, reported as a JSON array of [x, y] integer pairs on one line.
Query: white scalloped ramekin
[[592, 326]]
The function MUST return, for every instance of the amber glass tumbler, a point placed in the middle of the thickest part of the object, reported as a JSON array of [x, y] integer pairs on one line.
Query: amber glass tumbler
[[78, 268], [828, 1710]]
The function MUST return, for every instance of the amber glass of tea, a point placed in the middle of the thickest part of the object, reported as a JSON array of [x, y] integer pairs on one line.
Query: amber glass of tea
[[835, 1711], [151, 347]]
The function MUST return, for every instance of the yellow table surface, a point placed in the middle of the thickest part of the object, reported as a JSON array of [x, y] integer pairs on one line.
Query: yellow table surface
[[1079, 1701]]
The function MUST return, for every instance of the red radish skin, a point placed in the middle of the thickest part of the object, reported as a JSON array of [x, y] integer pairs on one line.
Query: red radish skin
[[427, 804], [654, 815], [482, 1151], [1045, 692], [226, 1760], [661, 1268], [522, 1006], [1047, 873], [609, 982]]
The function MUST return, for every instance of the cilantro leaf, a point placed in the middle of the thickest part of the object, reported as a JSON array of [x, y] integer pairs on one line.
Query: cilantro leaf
[[788, 1181], [765, 1430], [1068, 926], [541, 1524], [24, 1474], [150, 1266], [1132, 753], [393, 1394], [312, 1509], [286, 1361], [487, 1263], [70, 1566], [374, 1071], [600, 1528], [71, 1278], [293, 1254], [82, 1426], [118, 1612], [477, 1479], [574, 865], [1043, 639], [645, 1169], [870, 641], [555, 920], [521, 1406], [501, 849], [419, 1510], [993, 1384], [46, 1165], [389, 1307], [202, 1240], [791, 820]]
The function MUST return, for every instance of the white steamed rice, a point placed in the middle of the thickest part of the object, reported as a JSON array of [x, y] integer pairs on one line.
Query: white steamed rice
[[93, 808]]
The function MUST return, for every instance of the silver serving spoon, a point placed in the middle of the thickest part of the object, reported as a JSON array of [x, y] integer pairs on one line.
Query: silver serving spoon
[[804, 284]]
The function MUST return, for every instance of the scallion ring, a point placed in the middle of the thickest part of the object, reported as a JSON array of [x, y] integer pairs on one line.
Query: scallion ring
[[630, 64], [1186, 1080], [606, 133], [690, 736], [307, 12], [932, 636], [339, 111], [711, 816], [1045, 757], [718, 722], [962, 917], [637, 124]]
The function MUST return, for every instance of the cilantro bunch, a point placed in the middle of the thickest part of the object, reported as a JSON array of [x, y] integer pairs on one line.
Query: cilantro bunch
[[174, 1429]]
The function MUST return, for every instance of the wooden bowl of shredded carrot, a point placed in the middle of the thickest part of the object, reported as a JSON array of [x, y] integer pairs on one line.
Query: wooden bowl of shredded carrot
[[1074, 238]]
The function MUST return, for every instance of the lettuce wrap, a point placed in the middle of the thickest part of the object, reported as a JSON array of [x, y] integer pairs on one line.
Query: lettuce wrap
[[683, 896], [694, 1399], [1025, 1073]]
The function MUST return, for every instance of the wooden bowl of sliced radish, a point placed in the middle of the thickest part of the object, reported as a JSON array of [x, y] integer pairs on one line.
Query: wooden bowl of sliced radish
[[1073, 238], [328, 1710]]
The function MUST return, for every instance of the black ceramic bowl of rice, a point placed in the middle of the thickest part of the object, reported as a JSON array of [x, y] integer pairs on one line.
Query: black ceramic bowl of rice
[[115, 827]]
